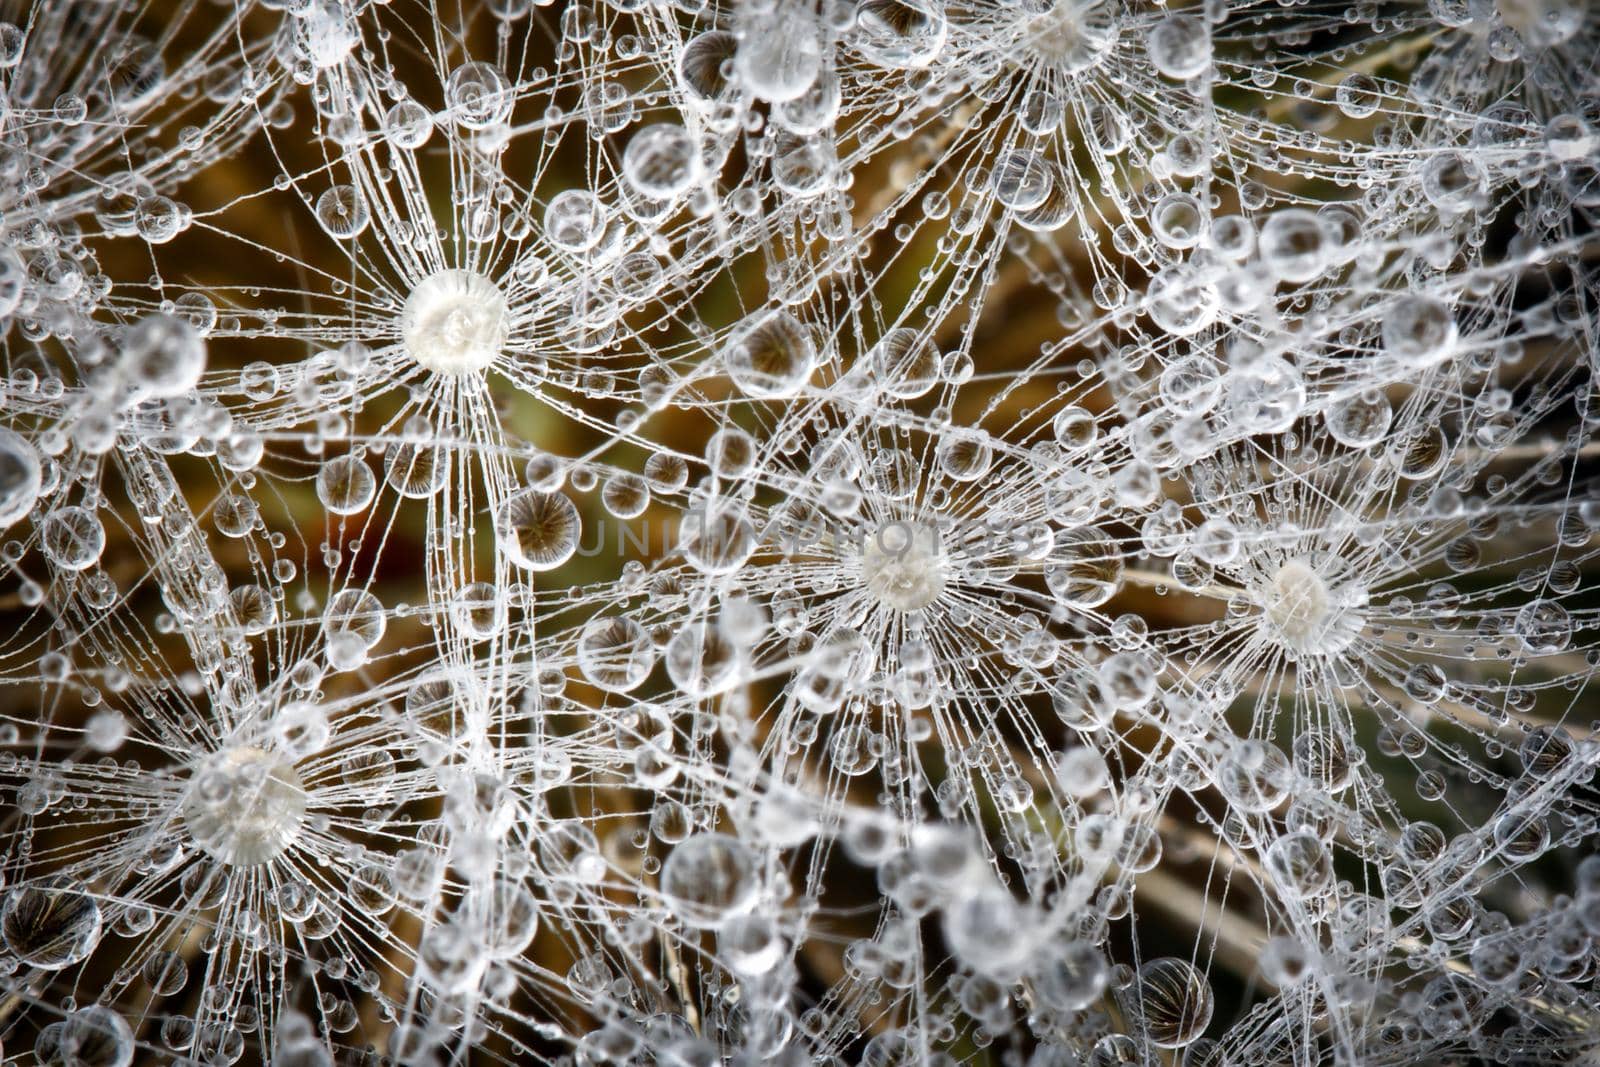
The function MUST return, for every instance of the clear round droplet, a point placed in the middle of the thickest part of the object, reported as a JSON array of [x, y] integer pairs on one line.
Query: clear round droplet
[[96, 1036], [575, 220], [710, 878], [615, 654], [662, 161], [1175, 1001], [478, 96], [717, 537], [539, 531], [1418, 329], [1179, 47], [163, 356], [72, 538], [779, 56], [772, 355], [49, 927], [1359, 421], [346, 485], [21, 477], [343, 212]]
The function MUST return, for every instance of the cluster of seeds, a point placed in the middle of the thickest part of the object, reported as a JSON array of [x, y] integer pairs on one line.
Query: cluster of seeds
[[680, 533]]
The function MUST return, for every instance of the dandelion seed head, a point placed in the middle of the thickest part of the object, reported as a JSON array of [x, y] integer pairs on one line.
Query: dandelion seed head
[[454, 322], [1068, 36], [245, 806], [1544, 23], [325, 34], [903, 566], [757, 531], [1304, 614]]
